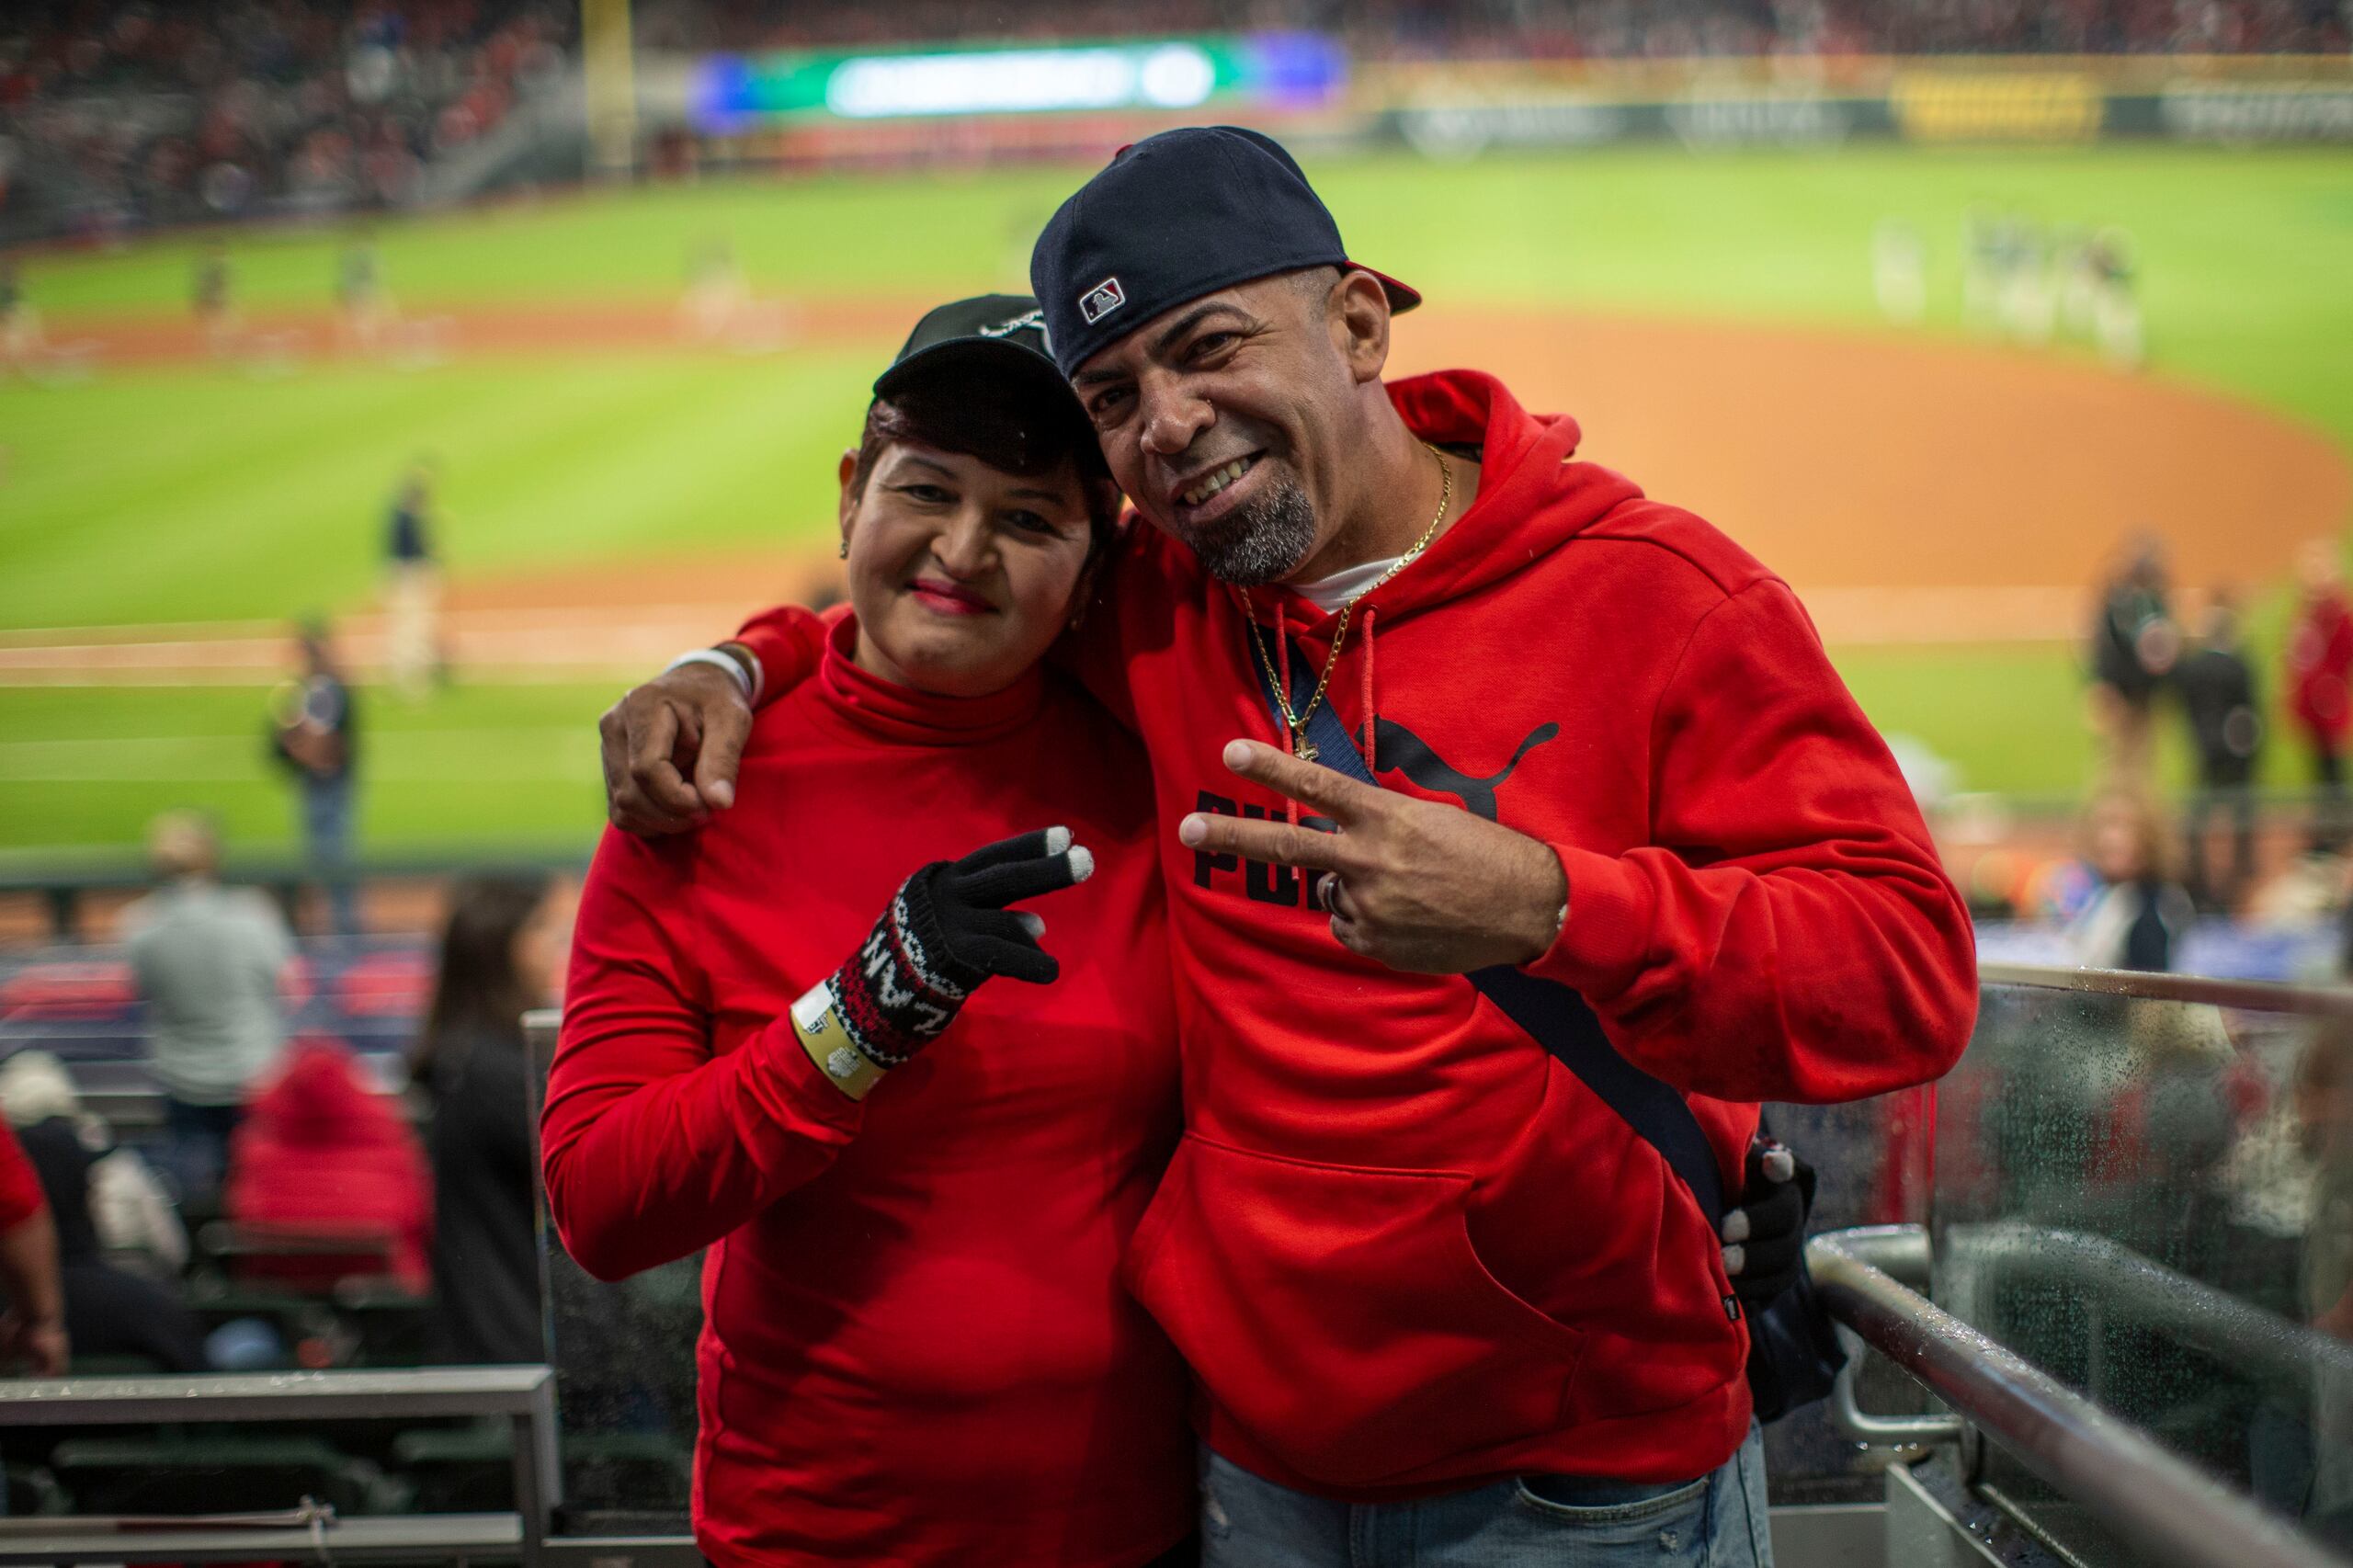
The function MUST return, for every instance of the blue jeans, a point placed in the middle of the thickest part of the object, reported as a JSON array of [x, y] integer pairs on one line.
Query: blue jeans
[[1717, 1521], [196, 1147]]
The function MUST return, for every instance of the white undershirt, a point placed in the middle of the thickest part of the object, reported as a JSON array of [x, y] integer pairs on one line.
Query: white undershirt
[[1328, 594]]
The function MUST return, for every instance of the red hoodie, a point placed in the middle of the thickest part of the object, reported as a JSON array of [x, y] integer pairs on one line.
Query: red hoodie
[[914, 1346], [1405, 1250], [320, 1152]]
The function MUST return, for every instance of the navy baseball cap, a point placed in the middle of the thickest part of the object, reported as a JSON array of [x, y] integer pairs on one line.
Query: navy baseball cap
[[990, 336], [1172, 218]]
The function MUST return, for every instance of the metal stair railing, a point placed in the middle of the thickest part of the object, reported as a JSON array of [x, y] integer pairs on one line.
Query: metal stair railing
[[2161, 1505]]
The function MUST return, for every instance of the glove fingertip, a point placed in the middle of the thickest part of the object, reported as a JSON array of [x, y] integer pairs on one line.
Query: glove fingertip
[[1736, 1259], [1057, 840], [1735, 1226], [1779, 1164], [1082, 859], [1034, 923]]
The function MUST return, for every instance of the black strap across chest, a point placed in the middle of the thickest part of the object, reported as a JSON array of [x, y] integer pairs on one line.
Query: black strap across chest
[[1553, 1014]]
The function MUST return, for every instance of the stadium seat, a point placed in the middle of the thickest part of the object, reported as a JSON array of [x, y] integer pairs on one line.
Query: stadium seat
[[468, 1469], [627, 1472], [32, 1490], [216, 1472], [125, 1366], [304, 1262], [472, 1470], [394, 985], [388, 1325], [81, 991]]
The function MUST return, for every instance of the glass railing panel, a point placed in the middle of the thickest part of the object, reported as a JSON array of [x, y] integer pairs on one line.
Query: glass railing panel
[[624, 1358], [2151, 1198]]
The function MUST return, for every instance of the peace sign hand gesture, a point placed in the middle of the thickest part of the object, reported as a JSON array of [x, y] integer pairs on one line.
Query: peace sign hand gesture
[[1421, 887]]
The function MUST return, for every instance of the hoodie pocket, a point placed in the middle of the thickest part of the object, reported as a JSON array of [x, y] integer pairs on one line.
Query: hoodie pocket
[[1340, 1314]]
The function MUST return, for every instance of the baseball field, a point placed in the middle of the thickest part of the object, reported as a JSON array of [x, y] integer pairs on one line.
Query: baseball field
[[618, 479]]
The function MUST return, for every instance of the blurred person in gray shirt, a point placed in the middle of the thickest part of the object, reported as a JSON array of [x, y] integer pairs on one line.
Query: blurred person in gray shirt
[[207, 959]]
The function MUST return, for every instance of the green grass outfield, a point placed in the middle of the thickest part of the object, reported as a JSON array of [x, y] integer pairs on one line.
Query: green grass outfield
[[194, 493]]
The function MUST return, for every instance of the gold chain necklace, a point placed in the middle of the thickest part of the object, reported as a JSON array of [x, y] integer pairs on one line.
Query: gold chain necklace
[[1301, 746]]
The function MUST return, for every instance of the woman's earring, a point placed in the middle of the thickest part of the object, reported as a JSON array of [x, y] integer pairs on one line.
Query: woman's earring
[[844, 547]]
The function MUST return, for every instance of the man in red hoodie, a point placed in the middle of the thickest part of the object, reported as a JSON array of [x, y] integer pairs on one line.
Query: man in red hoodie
[[1438, 1295]]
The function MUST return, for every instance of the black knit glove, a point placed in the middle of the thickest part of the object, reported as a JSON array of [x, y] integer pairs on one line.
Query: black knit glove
[[1765, 1235], [945, 932]]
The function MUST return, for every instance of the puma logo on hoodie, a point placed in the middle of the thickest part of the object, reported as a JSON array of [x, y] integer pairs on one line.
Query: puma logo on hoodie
[[1402, 751]]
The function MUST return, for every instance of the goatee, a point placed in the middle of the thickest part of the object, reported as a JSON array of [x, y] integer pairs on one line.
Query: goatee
[[1265, 539]]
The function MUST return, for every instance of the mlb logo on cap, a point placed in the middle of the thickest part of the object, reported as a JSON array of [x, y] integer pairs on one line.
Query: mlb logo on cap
[[1101, 301]]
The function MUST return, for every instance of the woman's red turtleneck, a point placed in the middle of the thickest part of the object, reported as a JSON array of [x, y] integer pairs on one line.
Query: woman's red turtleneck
[[914, 1347]]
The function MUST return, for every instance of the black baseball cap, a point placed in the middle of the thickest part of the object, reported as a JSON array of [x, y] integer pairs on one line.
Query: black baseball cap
[[989, 336], [1172, 218]]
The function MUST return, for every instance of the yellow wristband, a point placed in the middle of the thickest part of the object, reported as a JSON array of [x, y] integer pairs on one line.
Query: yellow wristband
[[819, 1030]]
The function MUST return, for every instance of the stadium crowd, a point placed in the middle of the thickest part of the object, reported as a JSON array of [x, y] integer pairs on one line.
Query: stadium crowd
[[285, 1186], [1413, 29], [118, 114], [123, 113]]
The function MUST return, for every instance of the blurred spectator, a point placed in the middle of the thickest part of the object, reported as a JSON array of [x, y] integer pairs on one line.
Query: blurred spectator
[[208, 960], [128, 1211], [32, 1330], [2133, 645], [109, 1311], [2217, 688], [314, 735], [412, 655], [2320, 682], [2136, 917], [322, 1155], [500, 953]]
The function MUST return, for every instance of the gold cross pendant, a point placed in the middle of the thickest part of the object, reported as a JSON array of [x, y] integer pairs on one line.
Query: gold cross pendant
[[1302, 747]]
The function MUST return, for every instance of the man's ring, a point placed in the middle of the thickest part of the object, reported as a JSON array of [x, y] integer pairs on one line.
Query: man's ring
[[1327, 892]]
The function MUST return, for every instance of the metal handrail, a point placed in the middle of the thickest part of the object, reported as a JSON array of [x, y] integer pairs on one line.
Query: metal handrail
[[2253, 996], [391, 1394], [2147, 1497], [2195, 1312], [1901, 1252]]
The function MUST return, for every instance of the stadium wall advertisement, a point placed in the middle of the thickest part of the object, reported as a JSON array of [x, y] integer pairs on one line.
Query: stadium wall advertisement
[[1047, 99], [1458, 110]]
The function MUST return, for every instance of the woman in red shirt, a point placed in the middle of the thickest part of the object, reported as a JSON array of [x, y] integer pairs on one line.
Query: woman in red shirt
[[915, 1185]]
